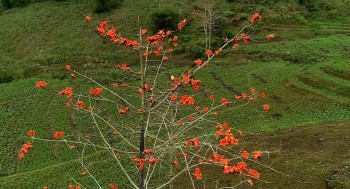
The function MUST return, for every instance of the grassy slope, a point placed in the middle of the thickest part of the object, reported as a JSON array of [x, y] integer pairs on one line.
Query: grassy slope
[[309, 63]]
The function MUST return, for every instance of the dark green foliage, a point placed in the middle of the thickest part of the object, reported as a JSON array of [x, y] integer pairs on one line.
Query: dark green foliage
[[165, 18], [6, 76], [6, 4], [311, 5], [108, 5]]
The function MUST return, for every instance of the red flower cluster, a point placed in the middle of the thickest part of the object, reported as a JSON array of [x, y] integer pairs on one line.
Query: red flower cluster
[[256, 17], [96, 91], [142, 161], [25, 148], [41, 84], [187, 100], [80, 105], [197, 173], [68, 91], [74, 187], [224, 101], [111, 33], [113, 186], [181, 24], [224, 132], [123, 67], [31, 133], [123, 110], [58, 134], [194, 142]]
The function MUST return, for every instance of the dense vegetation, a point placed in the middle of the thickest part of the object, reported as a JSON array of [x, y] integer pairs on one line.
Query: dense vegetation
[[305, 70]]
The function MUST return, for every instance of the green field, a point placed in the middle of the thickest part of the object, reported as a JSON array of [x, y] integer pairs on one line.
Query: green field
[[305, 72]]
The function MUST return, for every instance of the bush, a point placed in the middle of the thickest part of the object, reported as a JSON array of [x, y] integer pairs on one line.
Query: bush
[[6, 4], [166, 18], [108, 5], [7, 76]]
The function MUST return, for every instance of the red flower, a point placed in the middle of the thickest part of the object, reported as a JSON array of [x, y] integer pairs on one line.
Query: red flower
[[111, 33], [224, 101], [185, 78], [262, 95], [218, 52], [148, 151], [271, 36], [198, 62], [211, 97], [58, 134], [197, 173], [187, 100], [241, 166], [257, 155], [254, 173], [68, 67], [113, 186], [245, 154], [68, 91], [181, 24], [165, 58], [103, 25], [80, 104], [251, 90], [139, 91], [173, 97], [123, 110], [152, 100], [146, 87], [88, 18], [101, 31], [21, 155], [256, 17], [96, 91], [143, 31], [208, 52], [176, 162], [240, 133], [235, 45], [266, 107], [31, 133], [41, 84], [153, 160]]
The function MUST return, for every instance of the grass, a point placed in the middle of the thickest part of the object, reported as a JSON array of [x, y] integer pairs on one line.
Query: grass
[[304, 72]]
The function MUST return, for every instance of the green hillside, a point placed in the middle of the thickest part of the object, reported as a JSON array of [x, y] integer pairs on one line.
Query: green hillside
[[305, 72]]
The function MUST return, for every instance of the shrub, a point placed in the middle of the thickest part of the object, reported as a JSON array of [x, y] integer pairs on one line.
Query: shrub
[[6, 4], [165, 18], [7, 76], [108, 5]]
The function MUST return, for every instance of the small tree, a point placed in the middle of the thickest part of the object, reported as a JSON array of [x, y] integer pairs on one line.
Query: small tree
[[160, 126]]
